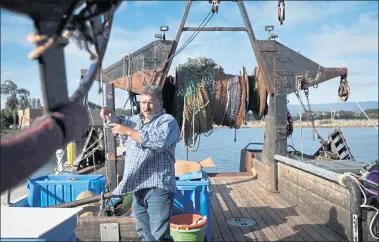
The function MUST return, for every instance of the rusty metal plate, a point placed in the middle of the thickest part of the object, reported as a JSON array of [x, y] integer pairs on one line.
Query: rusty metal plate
[[267, 46], [241, 222]]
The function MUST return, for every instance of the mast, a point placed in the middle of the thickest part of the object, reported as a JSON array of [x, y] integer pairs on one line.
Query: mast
[[283, 71]]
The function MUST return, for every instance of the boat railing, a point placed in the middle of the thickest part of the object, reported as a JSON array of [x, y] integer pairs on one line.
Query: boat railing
[[309, 167]]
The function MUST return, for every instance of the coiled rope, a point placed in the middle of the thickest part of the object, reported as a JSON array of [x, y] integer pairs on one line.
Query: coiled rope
[[205, 96]]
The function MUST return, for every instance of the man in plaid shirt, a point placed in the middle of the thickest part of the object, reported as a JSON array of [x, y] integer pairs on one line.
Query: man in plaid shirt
[[149, 169]]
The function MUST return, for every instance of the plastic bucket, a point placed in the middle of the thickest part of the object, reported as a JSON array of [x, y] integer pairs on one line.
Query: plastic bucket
[[188, 227]]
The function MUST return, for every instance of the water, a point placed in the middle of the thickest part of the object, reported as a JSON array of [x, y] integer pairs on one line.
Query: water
[[220, 146]]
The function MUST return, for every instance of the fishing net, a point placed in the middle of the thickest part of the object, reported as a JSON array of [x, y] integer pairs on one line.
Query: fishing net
[[195, 87], [205, 96]]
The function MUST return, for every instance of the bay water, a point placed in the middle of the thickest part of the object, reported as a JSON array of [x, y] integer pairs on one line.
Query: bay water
[[220, 146]]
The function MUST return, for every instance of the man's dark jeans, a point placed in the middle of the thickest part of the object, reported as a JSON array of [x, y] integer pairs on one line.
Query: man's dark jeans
[[152, 212]]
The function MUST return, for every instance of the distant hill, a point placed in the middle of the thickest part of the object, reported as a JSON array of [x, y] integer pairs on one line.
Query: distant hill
[[345, 106]]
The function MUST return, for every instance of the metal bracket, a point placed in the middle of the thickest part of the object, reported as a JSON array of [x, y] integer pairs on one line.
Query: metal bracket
[[109, 232], [299, 84]]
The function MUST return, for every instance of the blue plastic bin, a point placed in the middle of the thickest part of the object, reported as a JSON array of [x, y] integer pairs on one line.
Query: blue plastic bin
[[51, 190], [194, 197]]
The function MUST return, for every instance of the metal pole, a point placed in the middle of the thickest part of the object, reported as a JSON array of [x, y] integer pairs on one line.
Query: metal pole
[[177, 38], [301, 135], [52, 67], [9, 197]]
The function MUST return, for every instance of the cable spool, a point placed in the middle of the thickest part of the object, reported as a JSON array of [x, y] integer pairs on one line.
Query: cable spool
[[205, 95], [289, 124], [257, 95], [220, 98], [234, 99], [241, 113], [246, 101]]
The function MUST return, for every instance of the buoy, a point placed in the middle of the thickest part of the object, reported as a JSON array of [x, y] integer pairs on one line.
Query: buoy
[[71, 154], [91, 209], [60, 163]]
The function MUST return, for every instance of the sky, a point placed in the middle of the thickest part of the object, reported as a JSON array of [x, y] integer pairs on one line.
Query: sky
[[331, 33]]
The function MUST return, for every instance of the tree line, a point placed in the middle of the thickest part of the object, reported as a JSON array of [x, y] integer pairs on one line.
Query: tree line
[[371, 113], [17, 99]]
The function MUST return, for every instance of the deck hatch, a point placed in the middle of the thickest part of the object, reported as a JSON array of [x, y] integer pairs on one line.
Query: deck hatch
[[241, 222]]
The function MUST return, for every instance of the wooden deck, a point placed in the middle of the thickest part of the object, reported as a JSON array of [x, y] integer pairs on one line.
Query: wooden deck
[[276, 219]]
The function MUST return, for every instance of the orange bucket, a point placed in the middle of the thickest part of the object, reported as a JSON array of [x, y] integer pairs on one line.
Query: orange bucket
[[188, 221]]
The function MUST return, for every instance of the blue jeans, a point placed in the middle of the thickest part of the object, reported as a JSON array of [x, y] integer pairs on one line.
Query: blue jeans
[[152, 212]]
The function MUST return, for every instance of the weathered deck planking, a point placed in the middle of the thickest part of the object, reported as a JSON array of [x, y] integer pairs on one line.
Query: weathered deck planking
[[276, 219], [235, 197]]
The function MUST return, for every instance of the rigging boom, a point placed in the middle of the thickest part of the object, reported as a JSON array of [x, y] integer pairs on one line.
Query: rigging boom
[[280, 68]]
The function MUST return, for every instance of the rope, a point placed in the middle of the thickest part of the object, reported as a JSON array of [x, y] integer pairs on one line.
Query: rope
[[366, 115], [234, 90], [188, 41], [301, 129], [257, 97], [101, 204], [364, 204], [219, 100], [107, 185], [242, 112]]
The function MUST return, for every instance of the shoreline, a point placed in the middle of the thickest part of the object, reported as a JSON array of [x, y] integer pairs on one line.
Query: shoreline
[[342, 123]]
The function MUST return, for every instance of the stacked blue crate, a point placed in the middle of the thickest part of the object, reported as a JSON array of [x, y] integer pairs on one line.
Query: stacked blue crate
[[51, 190], [194, 197]]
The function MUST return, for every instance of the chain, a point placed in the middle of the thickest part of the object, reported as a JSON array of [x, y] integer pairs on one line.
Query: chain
[[310, 114]]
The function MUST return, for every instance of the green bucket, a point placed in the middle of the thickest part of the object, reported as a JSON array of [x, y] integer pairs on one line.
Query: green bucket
[[188, 227]]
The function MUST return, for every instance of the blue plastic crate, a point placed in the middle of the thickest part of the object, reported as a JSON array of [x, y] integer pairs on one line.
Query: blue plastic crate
[[194, 197], [51, 190]]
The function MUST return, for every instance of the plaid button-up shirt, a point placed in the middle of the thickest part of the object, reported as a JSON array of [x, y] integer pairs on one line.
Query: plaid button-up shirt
[[151, 163]]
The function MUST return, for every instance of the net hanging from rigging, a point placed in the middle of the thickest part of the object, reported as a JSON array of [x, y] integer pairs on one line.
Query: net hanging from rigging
[[206, 96]]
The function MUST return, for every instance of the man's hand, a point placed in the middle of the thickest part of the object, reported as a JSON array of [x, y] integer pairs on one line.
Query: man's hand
[[125, 131], [105, 112], [119, 129]]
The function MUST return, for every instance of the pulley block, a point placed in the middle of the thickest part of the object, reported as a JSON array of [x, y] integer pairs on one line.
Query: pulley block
[[215, 4], [343, 89], [281, 11]]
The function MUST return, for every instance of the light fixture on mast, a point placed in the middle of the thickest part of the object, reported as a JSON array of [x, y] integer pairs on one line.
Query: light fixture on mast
[[162, 35], [271, 36]]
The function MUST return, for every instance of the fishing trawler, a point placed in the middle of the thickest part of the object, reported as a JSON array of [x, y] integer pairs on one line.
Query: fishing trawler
[[279, 193]]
